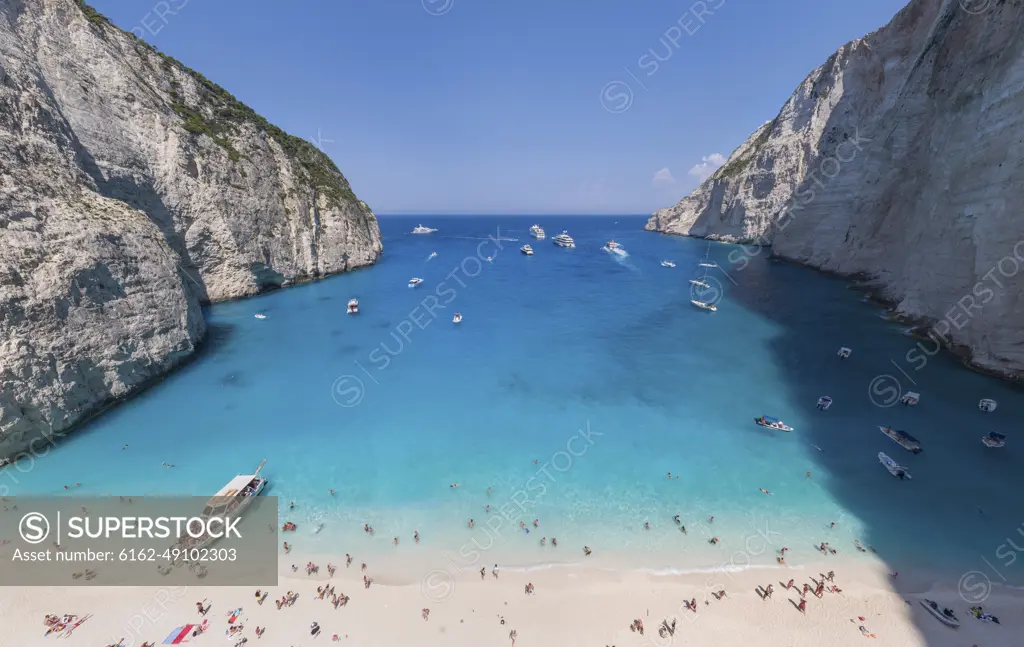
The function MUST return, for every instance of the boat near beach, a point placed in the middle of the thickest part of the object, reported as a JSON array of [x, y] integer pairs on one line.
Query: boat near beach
[[943, 615], [995, 440], [353, 306], [902, 438], [230, 501], [987, 405], [772, 423], [894, 468], [413, 282]]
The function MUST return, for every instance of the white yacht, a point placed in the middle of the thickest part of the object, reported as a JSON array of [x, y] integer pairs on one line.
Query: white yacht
[[413, 282], [526, 249], [353, 306], [537, 232], [667, 264], [987, 405], [432, 255], [894, 468], [824, 403], [457, 318], [910, 398], [563, 240], [613, 247], [420, 229], [230, 501], [260, 315], [844, 353], [706, 262], [994, 439]]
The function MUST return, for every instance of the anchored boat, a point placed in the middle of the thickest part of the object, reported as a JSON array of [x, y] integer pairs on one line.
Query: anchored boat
[[902, 438], [230, 501], [894, 468], [772, 423], [994, 439], [943, 615], [353, 306]]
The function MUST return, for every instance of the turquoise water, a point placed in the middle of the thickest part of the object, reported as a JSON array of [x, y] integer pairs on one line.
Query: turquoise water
[[390, 407]]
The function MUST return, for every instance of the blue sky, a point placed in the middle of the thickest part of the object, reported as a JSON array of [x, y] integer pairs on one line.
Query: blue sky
[[495, 106]]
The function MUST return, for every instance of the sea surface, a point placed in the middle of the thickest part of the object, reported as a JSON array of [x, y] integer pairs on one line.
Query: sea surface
[[576, 383]]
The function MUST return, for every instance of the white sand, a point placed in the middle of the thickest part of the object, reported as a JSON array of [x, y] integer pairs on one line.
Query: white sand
[[571, 606]]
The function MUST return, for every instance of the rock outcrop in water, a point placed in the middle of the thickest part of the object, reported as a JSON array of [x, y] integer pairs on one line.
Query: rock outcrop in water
[[900, 158], [133, 190]]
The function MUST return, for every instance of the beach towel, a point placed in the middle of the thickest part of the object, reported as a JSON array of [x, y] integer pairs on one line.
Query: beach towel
[[180, 635], [233, 616]]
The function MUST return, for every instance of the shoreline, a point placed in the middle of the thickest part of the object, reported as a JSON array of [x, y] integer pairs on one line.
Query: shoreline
[[575, 605]]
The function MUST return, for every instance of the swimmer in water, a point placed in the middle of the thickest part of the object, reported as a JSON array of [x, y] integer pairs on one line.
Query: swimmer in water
[[488, 491], [536, 523], [647, 525], [764, 490], [454, 485], [676, 519], [682, 529], [712, 519], [416, 536], [291, 506], [470, 523], [332, 492]]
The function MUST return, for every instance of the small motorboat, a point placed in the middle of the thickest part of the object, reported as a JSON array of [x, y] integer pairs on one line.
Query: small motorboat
[[902, 438], [613, 247], [994, 439], [704, 305], [824, 402], [987, 405], [490, 260], [910, 398], [353, 306], [772, 423], [413, 282], [894, 468], [432, 255], [844, 352], [260, 315], [667, 264], [526, 249], [943, 615], [700, 283], [457, 318]]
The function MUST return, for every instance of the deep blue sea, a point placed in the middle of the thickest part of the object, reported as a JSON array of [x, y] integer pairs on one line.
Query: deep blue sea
[[392, 406]]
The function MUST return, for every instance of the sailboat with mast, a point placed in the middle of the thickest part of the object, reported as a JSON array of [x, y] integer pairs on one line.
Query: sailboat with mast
[[702, 285]]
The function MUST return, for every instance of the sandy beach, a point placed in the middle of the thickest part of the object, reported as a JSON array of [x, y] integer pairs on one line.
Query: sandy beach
[[570, 605]]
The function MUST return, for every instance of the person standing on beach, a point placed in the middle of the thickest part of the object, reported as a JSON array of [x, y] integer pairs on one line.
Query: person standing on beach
[[494, 571]]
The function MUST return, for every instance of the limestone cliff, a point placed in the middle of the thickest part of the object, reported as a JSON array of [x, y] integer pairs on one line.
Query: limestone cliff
[[133, 190], [902, 158]]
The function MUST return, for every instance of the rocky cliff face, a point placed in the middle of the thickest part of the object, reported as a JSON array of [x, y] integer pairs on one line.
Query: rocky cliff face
[[902, 157], [133, 190]]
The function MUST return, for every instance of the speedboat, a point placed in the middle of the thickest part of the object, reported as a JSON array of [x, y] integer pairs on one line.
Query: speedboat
[[613, 247], [910, 398], [537, 232], [844, 352], [943, 615], [994, 439], [432, 255], [526, 249], [987, 405], [353, 306], [824, 402], [420, 229], [700, 283], [457, 318], [413, 282], [260, 316], [772, 423], [894, 468], [703, 305], [563, 240], [667, 264], [902, 438]]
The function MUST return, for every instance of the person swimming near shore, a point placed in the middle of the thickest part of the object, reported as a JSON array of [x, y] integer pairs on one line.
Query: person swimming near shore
[[647, 525], [712, 519], [543, 540], [554, 541], [470, 523], [713, 540], [454, 485], [682, 529], [764, 490], [587, 551], [676, 519], [536, 523], [167, 464], [416, 536], [332, 492]]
